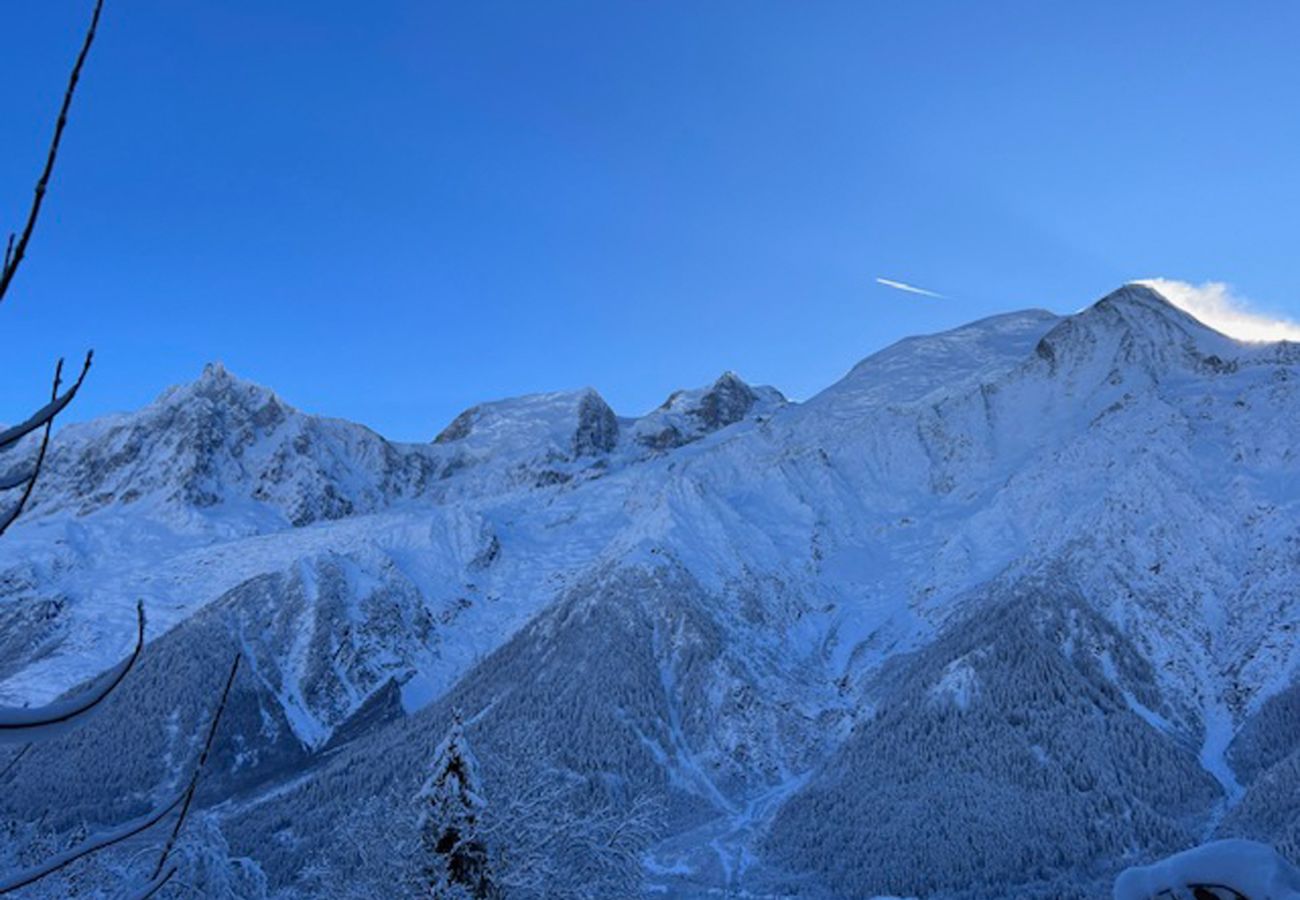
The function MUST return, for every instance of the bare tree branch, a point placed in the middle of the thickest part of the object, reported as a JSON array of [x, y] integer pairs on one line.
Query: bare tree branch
[[36, 724], [15, 252], [154, 886], [198, 770]]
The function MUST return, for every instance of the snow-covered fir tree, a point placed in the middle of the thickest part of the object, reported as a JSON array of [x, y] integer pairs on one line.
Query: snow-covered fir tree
[[453, 856]]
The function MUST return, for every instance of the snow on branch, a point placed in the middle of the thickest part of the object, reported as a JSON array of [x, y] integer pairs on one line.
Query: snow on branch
[[28, 477], [16, 250], [46, 413], [18, 479], [94, 844], [105, 839], [42, 722]]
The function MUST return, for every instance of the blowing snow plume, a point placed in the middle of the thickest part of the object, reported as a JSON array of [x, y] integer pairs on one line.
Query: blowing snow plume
[[1215, 304]]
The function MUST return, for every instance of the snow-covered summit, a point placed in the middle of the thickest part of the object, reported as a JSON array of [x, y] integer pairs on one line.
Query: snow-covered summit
[[219, 385], [917, 368], [563, 425], [1135, 328]]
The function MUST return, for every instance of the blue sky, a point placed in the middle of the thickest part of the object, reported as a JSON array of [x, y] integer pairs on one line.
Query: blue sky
[[389, 211]]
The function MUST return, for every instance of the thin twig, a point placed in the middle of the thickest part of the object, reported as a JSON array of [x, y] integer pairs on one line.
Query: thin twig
[[18, 757], [154, 886], [198, 770], [14, 255]]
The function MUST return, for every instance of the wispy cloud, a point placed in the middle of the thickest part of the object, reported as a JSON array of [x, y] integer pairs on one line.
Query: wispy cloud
[[1215, 304], [909, 288]]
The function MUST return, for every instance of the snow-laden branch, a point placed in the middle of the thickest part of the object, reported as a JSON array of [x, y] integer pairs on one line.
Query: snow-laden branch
[[34, 472], [540, 840], [91, 845], [18, 479], [15, 251], [46, 413], [162, 873], [40, 723]]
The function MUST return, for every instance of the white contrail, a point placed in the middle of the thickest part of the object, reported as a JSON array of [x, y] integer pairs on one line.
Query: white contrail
[[909, 288]]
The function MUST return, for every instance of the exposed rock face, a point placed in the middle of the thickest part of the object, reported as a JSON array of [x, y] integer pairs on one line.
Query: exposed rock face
[[597, 430], [688, 416], [459, 428], [727, 402]]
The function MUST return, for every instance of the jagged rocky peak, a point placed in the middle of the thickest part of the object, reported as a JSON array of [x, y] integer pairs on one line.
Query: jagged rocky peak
[[567, 424], [218, 384], [689, 415], [221, 438], [728, 400], [220, 409]]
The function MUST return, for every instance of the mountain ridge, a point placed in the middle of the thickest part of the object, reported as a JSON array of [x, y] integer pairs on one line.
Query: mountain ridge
[[764, 586]]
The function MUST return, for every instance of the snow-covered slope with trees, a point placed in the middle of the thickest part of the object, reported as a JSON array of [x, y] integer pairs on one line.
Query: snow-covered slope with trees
[[1005, 610]]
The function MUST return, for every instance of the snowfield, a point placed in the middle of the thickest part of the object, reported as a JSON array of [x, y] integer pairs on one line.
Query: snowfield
[[1003, 612]]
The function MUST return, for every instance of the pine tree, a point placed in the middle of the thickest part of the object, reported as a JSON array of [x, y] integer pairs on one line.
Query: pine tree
[[453, 855]]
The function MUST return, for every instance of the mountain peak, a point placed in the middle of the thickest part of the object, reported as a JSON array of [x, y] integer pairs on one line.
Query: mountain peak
[[688, 415], [218, 384], [728, 400], [1137, 293], [1137, 304], [215, 371], [1133, 325]]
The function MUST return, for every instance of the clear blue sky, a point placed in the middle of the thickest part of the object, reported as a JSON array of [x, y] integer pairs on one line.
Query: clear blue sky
[[389, 211]]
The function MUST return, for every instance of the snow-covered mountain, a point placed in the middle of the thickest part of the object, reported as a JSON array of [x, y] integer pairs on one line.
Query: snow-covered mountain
[[1001, 612]]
